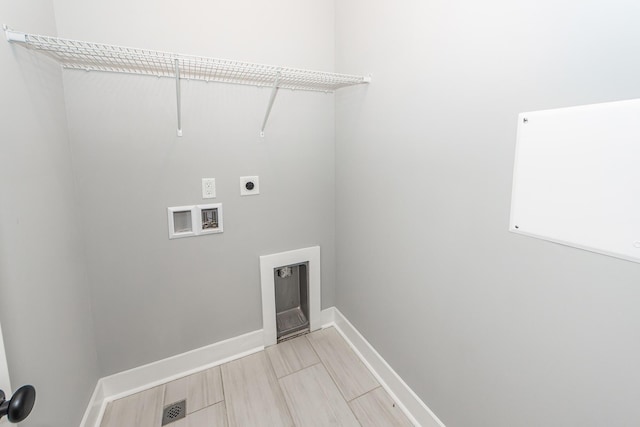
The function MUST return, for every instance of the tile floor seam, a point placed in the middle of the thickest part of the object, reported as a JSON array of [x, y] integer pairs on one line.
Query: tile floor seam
[[346, 401], [333, 382], [286, 404], [299, 370], [202, 409], [352, 350], [365, 393], [332, 379], [328, 370], [224, 396]]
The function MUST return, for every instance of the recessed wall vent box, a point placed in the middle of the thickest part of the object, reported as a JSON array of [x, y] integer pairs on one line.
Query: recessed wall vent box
[[292, 300], [197, 220], [290, 283]]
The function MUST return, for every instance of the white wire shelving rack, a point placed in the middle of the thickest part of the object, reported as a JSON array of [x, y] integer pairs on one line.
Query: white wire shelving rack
[[89, 56]]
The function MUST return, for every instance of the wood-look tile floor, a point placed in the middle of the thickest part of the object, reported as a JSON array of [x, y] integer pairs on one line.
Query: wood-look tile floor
[[312, 380]]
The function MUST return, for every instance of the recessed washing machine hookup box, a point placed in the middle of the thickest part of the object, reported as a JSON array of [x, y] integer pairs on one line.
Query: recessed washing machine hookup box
[[210, 217], [197, 220]]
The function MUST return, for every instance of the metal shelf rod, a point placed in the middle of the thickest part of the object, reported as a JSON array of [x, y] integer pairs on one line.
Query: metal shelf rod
[[272, 98], [178, 100]]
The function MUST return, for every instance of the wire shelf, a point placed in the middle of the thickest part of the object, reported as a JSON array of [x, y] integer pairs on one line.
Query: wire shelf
[[82, 55], [90, 56]]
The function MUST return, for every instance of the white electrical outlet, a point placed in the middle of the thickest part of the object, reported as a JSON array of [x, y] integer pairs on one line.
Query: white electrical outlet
[[208, 188], [249, 185]]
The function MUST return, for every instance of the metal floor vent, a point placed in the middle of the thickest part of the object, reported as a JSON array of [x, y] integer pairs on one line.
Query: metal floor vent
[[174, 412], [293, 335]]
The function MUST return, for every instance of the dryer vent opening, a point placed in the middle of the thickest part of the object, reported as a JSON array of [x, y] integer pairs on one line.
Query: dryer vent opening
[[290, 283], [292, 300]]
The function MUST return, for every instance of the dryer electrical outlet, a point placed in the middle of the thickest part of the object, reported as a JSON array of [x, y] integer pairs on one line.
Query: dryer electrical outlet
[[249, 185], [208, 188]]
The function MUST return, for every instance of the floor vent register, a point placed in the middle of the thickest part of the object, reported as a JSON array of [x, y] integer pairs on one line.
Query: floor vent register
[[174, 412]]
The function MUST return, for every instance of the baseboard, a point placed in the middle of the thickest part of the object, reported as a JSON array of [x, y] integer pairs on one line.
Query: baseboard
[[95, 409], [415, 409], [144, 377], [328, 317]]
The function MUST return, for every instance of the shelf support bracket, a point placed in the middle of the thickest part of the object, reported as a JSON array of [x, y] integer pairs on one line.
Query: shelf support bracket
[[14, 36], [178, 101], [274, 92]]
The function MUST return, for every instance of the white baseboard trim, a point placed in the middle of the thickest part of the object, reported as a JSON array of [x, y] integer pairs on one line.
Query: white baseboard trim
[[413, 407], [95, 409], [328, 317], [153, 374]]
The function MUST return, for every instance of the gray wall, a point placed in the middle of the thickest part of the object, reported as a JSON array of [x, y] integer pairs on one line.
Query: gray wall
[[154, 297], [45, 307], [488, 327]]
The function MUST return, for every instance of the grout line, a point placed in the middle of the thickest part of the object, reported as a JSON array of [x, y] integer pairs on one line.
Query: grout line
[[159, 413], [221, 386], [207, 396], [365, 393], [202, 409], [314, 350], [224, 396], [286, 403], [296, 354], [269, 359], [164, 393], [273, 371], [328, 370], [334, 381], [299, 370]]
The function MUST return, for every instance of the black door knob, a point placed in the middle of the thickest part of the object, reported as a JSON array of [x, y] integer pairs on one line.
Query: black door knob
[[20, 405]]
